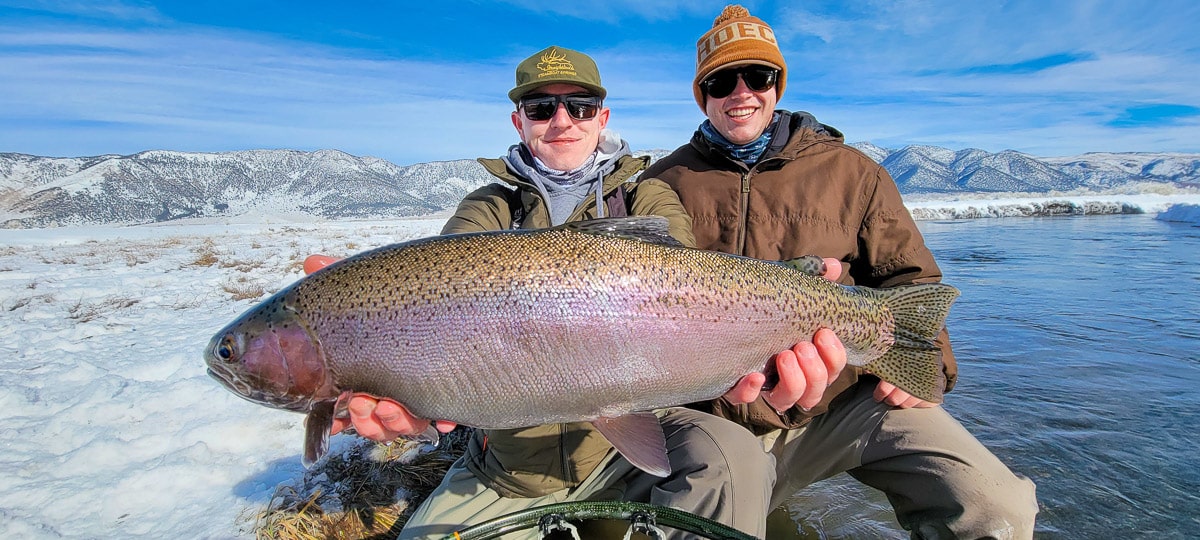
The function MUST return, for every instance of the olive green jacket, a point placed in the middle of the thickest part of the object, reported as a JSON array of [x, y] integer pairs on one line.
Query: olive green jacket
[[535, 461]]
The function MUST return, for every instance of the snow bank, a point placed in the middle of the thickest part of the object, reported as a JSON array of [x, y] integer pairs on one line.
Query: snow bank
[[1182, 213], [991, 206]]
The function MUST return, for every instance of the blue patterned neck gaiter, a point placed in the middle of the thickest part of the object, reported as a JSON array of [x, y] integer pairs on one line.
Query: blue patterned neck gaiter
[[747, 153]]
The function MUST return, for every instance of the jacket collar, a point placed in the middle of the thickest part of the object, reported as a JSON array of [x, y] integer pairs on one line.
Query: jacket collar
[[804, 130]]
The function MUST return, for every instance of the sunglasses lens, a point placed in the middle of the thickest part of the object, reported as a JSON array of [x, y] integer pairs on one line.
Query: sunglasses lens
[[722, 83], [582, 108], [539, 110], [759, 79], [579, 107]]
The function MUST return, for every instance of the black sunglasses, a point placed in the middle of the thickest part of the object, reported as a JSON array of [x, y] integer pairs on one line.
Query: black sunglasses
[[540, 107], [722, 83]]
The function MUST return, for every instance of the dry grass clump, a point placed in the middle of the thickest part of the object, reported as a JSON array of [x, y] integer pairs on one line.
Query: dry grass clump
[[87, 311], [365, 493], [241, 288], [134, 257], [206, 254]]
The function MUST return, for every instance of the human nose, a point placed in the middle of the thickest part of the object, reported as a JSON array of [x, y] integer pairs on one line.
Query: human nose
[[741, 87], [561, 117]]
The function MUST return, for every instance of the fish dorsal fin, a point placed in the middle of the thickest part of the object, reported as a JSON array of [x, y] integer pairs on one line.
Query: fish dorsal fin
[[653, 229], [808, 264], [639, 437], [316, 431]]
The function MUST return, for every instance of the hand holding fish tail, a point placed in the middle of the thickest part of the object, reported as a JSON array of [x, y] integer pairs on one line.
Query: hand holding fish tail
[[384, 420], [887, 392]]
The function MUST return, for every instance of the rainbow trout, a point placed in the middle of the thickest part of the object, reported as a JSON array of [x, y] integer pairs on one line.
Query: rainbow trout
[[599, 321]]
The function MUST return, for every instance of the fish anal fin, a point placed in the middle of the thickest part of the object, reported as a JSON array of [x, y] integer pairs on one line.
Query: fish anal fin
[[316, 431], [639, 437]]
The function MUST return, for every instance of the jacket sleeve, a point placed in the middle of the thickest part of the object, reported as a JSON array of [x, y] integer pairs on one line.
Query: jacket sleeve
[[894, 253], [653, 197], [485, 209]]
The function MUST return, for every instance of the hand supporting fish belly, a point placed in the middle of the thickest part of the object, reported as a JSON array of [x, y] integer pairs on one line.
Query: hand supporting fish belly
[[590, 321]]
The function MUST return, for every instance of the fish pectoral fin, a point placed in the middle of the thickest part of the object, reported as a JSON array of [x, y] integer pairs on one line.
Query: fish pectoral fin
[[316, 431], [639, 438], [429, 436]]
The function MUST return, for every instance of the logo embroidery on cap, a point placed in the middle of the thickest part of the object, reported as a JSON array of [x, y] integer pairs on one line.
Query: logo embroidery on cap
[[555, 63]]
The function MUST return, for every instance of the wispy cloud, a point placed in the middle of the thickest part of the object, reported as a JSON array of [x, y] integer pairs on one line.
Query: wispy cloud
[[1049, 79], [1032, 65], [1154, 115], [103, 11]]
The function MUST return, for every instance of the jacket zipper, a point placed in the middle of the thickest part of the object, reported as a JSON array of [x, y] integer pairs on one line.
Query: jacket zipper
[[744, 218]]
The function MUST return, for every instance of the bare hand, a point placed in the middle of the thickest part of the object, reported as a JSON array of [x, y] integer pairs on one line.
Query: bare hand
[[805, 370], [886, 392], [384, 419], [374, 418]]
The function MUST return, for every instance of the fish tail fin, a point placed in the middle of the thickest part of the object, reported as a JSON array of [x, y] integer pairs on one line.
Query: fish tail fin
[[914, 362]]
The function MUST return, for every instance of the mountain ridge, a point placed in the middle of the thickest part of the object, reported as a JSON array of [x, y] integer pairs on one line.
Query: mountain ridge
[[162, 185]]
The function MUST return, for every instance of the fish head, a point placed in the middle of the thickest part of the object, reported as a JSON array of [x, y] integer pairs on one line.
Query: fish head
[[269, 356]]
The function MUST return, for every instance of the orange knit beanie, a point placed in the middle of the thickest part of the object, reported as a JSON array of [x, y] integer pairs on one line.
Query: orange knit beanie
[[737, 39]]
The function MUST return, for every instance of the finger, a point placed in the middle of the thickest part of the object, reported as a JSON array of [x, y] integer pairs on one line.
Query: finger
[[791, 381], [816, 376], [445, 426], [339, 424], [833, 269], [396, 419], [746, 390], [317, 262], [883, 390], [362, 415], [832, 351], [911, 402]]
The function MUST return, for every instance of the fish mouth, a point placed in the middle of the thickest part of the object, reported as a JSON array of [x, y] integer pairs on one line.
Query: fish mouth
[[247, 392]]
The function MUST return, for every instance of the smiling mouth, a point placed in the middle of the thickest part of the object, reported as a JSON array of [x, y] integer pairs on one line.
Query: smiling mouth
[[741, 112]]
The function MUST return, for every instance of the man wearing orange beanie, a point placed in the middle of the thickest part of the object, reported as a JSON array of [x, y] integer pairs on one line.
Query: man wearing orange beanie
[[775, 185]]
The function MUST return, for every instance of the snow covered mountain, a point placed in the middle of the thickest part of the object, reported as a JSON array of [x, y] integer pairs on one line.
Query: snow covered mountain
[[165, 185]]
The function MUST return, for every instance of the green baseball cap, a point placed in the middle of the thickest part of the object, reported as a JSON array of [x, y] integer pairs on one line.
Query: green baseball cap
[[556, 65]]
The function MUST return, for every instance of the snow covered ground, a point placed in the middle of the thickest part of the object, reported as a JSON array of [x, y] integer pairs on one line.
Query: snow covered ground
[[111, 426]]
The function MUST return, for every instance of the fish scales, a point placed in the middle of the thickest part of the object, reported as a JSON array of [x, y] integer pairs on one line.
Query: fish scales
[[607, 317], [517, 328]]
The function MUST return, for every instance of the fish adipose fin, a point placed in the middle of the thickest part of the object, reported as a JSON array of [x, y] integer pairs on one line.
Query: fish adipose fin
[[316, 431], [914, 362], [808, 264], [638, 437], [652, 229]]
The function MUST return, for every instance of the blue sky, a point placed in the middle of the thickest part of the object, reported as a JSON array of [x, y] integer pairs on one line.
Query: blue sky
[[426, 81]]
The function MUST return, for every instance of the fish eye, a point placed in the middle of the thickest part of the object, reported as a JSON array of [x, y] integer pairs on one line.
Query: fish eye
[[225, 350]]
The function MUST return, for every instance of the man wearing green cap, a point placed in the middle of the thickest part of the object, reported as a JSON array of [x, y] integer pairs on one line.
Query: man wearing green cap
[[565, 163]]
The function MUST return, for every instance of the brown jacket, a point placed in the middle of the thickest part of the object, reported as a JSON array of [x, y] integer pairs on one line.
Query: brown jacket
[[535, 461], [810, 195]]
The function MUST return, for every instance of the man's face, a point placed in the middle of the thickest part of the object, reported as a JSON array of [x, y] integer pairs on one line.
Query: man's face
[[743, 115], [561, 142]]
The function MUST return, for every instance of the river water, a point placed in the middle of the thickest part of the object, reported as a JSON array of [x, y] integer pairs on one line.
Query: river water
[[1078, 342]]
